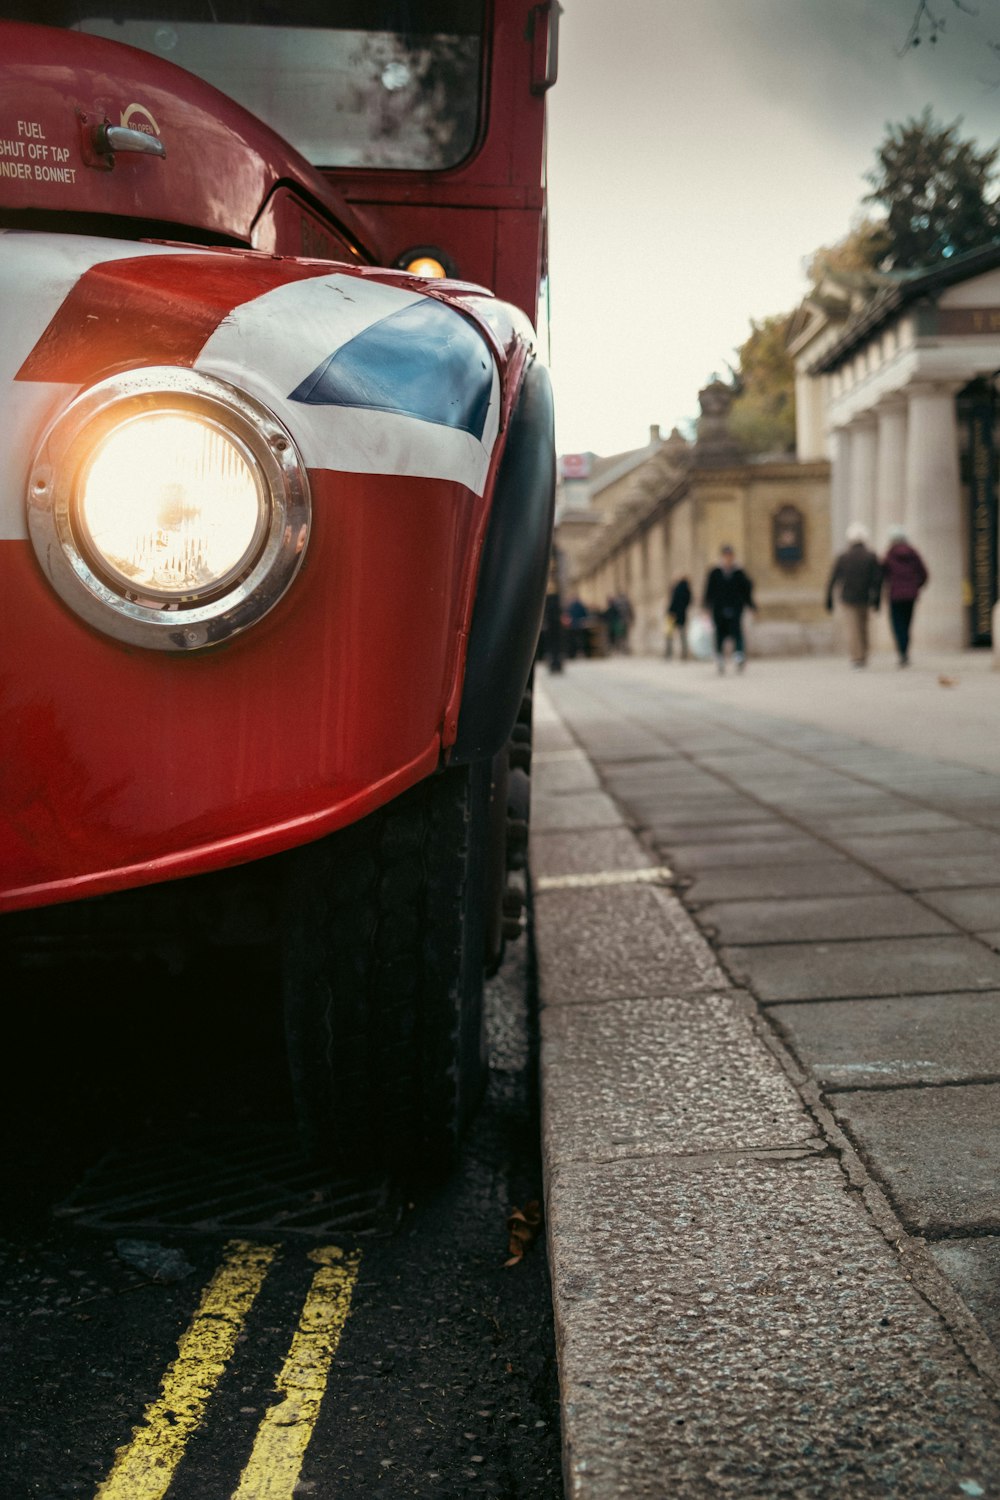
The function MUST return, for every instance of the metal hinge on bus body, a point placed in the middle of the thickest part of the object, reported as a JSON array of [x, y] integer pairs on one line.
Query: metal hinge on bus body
[[545, 45]]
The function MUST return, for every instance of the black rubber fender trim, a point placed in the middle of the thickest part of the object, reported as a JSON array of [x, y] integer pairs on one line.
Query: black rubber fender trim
[[513, 574]]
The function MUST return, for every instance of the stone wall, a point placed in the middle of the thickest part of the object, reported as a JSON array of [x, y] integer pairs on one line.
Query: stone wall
[[680, 533]]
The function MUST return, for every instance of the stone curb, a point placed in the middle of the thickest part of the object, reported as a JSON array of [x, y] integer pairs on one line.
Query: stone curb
[[731, 1318]]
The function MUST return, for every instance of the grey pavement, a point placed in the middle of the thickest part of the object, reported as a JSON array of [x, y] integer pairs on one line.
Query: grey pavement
[[767, 923]]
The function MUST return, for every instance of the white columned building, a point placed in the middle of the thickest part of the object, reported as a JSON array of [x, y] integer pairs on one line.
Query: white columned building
[[909, 384]]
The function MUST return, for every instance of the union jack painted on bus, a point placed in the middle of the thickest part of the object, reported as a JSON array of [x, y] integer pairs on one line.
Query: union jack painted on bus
[[371, 376]]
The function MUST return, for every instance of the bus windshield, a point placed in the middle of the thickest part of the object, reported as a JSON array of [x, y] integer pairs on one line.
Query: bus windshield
[[389, 84]]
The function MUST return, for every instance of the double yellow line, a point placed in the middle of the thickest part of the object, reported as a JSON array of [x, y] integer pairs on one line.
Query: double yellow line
[[144, 1468]]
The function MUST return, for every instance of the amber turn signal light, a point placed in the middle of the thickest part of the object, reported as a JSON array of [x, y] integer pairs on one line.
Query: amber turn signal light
[[427, 261]]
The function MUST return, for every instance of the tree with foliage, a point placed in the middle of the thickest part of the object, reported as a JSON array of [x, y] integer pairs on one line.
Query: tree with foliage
[[937, 193], [763, 414], [851, 259]]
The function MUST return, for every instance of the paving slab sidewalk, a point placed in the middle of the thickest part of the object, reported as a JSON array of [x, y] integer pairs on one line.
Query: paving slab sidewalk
[[745, 1299]]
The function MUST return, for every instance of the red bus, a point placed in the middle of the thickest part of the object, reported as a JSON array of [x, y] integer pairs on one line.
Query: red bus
[[275, 510]]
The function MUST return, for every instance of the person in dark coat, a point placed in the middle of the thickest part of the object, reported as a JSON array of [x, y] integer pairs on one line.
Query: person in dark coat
[[552, 627], [626, 614], [728, 592], [677, 613], [614, 624], [857, 575], [904, 575], [577, 615]]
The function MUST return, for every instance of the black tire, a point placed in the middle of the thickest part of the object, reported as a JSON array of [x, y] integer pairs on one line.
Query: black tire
[[510, 812], [382, 966]]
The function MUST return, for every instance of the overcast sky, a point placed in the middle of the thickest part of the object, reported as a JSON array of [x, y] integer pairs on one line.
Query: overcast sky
[[699, 151]]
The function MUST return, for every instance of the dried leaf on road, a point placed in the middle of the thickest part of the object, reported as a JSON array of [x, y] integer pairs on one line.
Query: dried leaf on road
[[523, 1225], [156, 1262]]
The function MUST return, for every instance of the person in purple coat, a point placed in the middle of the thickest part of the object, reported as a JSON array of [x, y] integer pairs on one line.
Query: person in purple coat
[[904, 575]]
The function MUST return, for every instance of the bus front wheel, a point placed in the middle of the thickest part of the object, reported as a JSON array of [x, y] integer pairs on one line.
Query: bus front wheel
[[382, 972]]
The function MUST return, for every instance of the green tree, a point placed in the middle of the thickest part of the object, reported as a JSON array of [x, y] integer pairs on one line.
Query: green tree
[[851, 259], [763, 414], [936, 190]]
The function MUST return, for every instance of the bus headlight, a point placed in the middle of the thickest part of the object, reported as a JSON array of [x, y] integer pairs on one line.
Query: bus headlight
[[168, 508], [170, 505]]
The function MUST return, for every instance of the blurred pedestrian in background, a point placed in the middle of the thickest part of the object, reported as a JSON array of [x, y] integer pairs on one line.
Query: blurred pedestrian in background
[[552, 627], [728, 592], [904, 575], [857, 576], [677, 613], [614, 624], [577, 616], [627, 616]]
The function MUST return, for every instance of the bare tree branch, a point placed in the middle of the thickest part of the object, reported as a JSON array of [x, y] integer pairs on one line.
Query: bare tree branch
[[928, 24]]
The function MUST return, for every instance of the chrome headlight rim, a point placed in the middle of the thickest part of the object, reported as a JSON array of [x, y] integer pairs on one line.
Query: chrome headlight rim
[[144, 616]]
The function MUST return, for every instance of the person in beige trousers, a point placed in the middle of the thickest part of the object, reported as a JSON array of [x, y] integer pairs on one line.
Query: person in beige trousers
[[857, 576]]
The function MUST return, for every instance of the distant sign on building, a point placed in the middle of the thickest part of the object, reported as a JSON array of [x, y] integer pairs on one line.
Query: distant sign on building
[[788, 535], [575, 465]]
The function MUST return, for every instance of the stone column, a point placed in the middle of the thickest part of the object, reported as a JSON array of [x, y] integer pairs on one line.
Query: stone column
[[810, 412], [890, 478], [864, 462], [933, 519], [890, 495], [839, 488]]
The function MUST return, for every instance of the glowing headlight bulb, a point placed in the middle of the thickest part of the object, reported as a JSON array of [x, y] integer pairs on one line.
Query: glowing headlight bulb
[[170, 505]]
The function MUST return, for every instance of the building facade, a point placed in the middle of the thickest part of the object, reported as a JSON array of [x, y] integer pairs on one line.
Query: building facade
[[671, 513], [899, 390]]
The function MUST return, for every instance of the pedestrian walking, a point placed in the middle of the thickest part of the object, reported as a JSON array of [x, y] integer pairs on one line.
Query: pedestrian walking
[[613, 624], [728, 592], [627, 616], [904, 575], [577, 615], [677, 612], [552, 626], [857, 576]]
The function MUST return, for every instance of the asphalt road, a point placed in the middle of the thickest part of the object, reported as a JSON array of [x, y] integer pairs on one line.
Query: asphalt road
[[152, 1193]]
